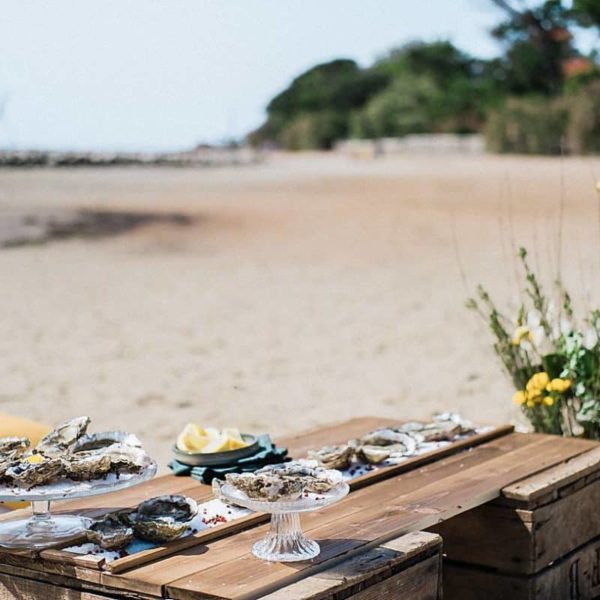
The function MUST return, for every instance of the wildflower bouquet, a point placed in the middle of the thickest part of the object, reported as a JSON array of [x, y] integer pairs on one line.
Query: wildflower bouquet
[[553, 361]]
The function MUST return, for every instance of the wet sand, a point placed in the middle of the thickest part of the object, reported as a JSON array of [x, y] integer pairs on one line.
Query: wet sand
[[303, 290]]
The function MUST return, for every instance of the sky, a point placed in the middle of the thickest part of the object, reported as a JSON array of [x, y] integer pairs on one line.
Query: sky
[[168, 74]]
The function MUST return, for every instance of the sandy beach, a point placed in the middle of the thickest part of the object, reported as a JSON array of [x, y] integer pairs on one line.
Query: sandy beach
[[302, 290]]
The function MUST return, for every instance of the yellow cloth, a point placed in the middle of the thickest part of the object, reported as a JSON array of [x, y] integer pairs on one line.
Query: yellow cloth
[[16, 426]]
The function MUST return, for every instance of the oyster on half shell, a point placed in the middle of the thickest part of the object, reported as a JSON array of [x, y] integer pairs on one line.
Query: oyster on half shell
[[61, 439], [333, 457], [84, 466], [110, 533], [11, 449], [161, 519], [268, 487], [313, 477], [27, 474], [104, 439]]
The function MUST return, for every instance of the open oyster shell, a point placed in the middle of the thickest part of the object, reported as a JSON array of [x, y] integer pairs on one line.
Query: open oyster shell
[[63, 437], [268, 487], [161, 519], [333, 457], [11, 449], [110, 533], [28, 475], [104, 439], [85, 466], [286, 481]]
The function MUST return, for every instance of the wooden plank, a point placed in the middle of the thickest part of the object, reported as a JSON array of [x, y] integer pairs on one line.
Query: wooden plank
[[244, 576], [19, 583], [407, 567], [575, 577], [48, 568], [546, 485]]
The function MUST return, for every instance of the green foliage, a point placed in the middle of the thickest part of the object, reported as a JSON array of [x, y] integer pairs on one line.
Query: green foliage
[[554, 363], [313, 130], [436, 87], [528, 126], [541, 125], [583, 131], [587, 12]]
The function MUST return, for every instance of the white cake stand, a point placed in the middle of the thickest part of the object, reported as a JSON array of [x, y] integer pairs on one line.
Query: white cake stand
[[43, 529], [285, 541]]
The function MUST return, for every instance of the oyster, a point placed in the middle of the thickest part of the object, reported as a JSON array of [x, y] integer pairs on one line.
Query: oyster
[[373, 454], [61, 439], [161, 519], [97, 441], [110, 533], [269, 487], [333, 457], [13, 447], [27, 474], [124, 458], [84, 466], [387, 436], [314, 478]]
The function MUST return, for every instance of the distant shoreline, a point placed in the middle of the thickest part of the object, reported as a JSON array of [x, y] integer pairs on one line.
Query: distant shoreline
[[198, 157]]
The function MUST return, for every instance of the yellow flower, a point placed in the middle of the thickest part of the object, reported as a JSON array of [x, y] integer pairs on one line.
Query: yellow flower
[[520, 397], [559, 385], [520, 334], [537, 384], [530, 403], [548, 400]]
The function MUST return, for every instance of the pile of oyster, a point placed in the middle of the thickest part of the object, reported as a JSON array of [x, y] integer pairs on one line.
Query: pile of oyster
[[159, 520], [287, 481], [68, 452], [393, 443]]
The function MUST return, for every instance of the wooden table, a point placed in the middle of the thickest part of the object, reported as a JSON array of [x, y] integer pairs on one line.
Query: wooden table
[[383, 505]]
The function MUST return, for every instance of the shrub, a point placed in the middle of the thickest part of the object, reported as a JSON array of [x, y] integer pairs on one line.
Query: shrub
[[583, 131], [528, 126]]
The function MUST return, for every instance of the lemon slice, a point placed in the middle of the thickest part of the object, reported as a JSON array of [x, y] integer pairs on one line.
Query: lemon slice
[[233, 433], [192, 438], [217, 444], [235, 444]]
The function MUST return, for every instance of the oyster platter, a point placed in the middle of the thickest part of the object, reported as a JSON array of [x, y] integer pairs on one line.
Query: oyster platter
[[67, 463], [285, 490]]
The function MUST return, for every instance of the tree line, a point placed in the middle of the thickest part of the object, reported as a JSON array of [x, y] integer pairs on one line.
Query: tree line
[[542, 94]]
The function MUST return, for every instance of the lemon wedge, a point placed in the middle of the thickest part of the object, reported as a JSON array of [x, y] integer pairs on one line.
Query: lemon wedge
[[193, 438], [234, 443], [217, 444], [233, 433]]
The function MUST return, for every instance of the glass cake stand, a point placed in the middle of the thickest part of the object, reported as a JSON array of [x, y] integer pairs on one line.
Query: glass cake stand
[[43, 529], [285, 541]]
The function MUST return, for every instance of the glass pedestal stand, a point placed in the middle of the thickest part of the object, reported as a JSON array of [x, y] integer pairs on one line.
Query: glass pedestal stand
[[42, 529], [285, 541]]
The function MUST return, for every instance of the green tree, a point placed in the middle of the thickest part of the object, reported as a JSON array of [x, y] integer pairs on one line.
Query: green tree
[[537, 41]]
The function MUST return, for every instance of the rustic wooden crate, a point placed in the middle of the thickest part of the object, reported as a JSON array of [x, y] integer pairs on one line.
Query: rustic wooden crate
[[541, 532], [575, 577], [408, 567]]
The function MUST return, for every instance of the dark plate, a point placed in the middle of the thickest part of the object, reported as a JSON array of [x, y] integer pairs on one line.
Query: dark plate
[[213, 459]]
